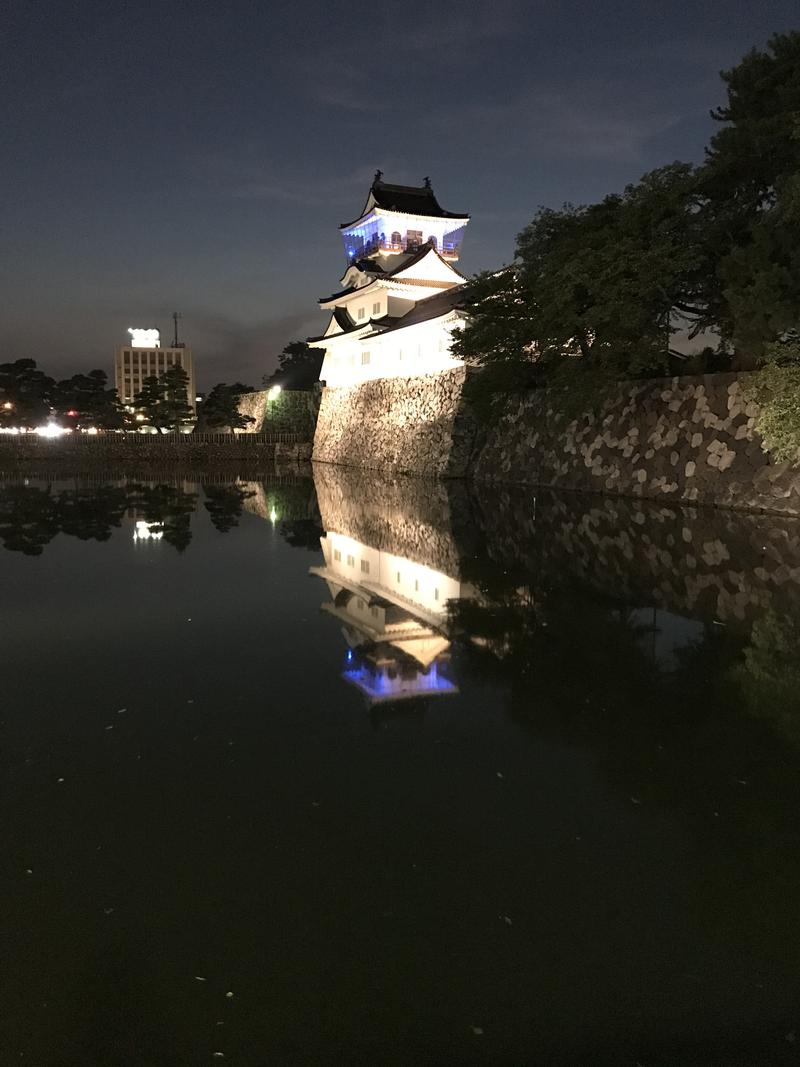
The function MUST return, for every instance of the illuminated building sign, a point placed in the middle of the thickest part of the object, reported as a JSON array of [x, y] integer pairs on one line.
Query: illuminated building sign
[[144, 338]]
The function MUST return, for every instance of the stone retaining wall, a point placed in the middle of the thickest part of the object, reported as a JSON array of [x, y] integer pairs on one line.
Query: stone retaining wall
[[409, 425], [291, 411], [687, 439]]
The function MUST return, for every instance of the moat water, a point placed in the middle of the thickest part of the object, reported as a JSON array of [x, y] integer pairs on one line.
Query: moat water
[[395, 772]]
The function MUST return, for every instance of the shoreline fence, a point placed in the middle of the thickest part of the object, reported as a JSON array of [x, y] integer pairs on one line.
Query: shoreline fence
[[137, 440]]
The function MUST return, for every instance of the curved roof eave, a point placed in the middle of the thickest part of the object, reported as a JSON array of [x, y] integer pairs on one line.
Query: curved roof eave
[[457, 216]]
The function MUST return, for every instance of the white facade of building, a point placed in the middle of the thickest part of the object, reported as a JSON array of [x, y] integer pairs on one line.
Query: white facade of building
[[398, 304], [134, 362]]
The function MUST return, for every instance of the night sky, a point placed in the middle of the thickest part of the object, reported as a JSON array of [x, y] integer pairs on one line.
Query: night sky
[[199, 156]]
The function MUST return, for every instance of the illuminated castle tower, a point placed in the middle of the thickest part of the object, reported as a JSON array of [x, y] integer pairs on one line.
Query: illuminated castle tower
[[400, 294]]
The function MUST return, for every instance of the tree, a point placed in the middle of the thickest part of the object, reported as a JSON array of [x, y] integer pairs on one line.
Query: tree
[[504, 322], [751, 215], [163, 402], [610, 279], [298, 367], [224, 505], [759, 145], [148, 402], [84, 400], [602, 284], [26, 394], [760, 278], [170, 507], [176, 411], [28, 518], [715, 248], [221, 407]]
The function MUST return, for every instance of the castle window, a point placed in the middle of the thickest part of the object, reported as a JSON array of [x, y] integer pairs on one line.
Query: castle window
[[376, 308], [396, 239], [337, 555], [365, 358], [365, 566], [361, 312], [413, 239], [351, 562]]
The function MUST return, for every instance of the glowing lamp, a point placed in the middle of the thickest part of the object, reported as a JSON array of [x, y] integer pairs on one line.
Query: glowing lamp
[[8, 405], [72, 413], [50, 430], [274, 392]]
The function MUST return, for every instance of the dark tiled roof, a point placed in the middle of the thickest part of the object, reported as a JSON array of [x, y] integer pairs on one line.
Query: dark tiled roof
[[369, 266], [408, 199], [343, 320], [431, 308], [411, 200], [336, 296], [384, 324], [408, 262]]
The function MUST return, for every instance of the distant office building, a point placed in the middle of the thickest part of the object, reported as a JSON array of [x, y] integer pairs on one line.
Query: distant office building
[[143, 357]]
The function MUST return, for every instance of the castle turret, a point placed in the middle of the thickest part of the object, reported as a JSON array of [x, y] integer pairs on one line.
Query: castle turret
[[398, 220], [401, 294]]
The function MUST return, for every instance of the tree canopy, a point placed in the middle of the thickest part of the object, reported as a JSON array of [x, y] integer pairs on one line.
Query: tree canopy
[[221, 407], [26, 394], [163, 402], [85, 400], [298, 367], [708, 248]]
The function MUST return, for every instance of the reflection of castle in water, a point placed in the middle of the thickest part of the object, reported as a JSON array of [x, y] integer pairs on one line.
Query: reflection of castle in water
[[393, 612], [390, 573]]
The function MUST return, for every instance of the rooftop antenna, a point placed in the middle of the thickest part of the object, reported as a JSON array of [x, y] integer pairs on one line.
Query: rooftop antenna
[[175, 316]]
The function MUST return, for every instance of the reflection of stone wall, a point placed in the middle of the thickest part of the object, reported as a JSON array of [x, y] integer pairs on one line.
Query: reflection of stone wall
[[291, 411], [290, 498], [406, 516], [701, 562], [690, 439], [411, 425]]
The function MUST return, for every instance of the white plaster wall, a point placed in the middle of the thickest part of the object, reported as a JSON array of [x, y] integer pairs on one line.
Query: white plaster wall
[[410, 352]]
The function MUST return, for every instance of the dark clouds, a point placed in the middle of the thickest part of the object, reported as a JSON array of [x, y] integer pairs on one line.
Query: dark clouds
[[201, 155]]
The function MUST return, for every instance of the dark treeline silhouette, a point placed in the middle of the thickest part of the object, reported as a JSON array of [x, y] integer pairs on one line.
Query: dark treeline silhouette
[[32, 515]]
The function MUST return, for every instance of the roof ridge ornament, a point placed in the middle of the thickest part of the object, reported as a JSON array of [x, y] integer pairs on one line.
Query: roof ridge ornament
[[427, 182], [378, 176]]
